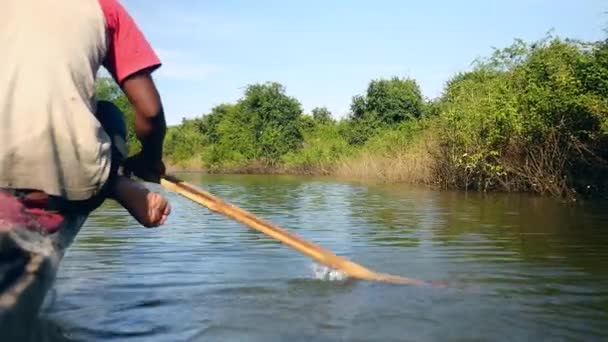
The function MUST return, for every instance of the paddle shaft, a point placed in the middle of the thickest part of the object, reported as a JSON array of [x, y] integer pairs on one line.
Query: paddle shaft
[[307, 248]]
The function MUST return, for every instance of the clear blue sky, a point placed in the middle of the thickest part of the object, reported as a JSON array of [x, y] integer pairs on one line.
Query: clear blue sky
[[326, 51]]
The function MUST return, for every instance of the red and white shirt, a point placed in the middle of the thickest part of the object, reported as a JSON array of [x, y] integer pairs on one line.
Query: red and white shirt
[[52, 50]]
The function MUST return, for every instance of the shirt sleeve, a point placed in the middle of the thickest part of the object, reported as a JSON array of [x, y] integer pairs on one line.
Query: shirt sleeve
[[128, 50]]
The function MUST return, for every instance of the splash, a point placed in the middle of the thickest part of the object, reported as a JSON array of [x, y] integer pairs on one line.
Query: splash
[[327, 274]]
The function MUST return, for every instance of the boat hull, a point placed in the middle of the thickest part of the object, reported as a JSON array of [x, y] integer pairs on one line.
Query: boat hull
[[29, 260]]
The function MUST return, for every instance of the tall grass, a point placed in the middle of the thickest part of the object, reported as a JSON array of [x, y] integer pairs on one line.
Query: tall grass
[[403, 154], [323, 149]]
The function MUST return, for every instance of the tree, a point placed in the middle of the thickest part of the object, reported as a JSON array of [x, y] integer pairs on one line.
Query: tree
[[209, 123], [264, 125], [185, 141], [389, 101], [322, 115]]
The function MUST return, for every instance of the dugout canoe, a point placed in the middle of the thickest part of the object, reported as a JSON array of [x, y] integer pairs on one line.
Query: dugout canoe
[[29, 260]]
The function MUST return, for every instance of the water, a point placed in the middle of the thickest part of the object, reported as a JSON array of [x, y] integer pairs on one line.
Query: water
[[517, 268]]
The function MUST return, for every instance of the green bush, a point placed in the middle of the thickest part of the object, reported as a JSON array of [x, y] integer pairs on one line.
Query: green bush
[[323, 146], [531, 117], [386, 102], [184, 142]]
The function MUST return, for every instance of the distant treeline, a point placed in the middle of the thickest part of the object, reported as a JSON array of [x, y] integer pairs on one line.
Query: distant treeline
[[531, 117]]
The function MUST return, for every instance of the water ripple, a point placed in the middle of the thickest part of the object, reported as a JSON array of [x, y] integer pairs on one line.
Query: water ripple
[[518, 268]]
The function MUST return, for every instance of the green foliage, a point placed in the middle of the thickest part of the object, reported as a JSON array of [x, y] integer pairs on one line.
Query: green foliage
[[532, 116], [236, 140], [308, 124], [478, 110], [358, 131], [274, 117], [551, 94], [209, 123], [323, 147], [498, 118], [394, 139], [184, 142], [389, 101], [592, 70], [264, 125], [322, 115], [107, 89]]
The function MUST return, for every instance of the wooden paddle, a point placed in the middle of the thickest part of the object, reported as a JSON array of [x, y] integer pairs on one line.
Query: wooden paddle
[[313, 251]]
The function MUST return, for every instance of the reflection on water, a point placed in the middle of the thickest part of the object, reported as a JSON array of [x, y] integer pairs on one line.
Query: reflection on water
[[520, 268]]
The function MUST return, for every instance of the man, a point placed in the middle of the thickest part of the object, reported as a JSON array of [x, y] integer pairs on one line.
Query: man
[[61, 151]]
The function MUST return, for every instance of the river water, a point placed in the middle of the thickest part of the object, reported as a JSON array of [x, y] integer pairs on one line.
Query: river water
[[517, 267]]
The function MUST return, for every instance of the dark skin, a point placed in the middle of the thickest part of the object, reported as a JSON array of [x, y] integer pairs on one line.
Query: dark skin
[[150, 127]]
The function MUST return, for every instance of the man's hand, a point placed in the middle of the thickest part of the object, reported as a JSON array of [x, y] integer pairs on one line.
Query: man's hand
[[149, 170]]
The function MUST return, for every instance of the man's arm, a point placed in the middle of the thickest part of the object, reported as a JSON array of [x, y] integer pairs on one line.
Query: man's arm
[[131, 60], [150, 126]]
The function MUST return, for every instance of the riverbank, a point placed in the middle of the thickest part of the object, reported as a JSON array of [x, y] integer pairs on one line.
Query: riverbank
[[384, 159], [417, 154], [532, 117]]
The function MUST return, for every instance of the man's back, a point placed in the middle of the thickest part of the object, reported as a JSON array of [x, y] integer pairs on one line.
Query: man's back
[[50, 139]]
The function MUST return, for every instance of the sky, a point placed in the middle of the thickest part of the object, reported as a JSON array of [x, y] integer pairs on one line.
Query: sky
[[326, 51]]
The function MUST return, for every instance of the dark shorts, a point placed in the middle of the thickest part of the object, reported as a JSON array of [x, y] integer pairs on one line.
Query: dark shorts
[[113, 122], [45, 209]]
